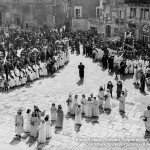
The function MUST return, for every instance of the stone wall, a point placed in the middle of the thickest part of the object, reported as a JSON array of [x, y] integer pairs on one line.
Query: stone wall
[[26, 12], [88, 7]]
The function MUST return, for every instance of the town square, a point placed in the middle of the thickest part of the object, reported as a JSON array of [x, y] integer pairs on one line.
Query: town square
[[71, 81]]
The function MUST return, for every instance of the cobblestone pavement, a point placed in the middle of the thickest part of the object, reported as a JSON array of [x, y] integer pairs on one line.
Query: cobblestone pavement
[[47, 90]]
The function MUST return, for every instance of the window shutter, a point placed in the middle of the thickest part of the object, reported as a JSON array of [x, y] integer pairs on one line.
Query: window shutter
[[81, 12], [79, 15]]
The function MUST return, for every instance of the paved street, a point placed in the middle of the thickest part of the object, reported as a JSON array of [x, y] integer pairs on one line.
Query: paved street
[[56, 89]]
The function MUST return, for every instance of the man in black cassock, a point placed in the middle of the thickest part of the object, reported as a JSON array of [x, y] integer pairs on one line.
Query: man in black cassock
[[142, 81], [6, 70], [122, 67], [81, 71], [111, 63]]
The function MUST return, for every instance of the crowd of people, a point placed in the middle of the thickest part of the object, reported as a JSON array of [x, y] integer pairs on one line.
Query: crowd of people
[[31, 55], [38, 124], [128, 58]]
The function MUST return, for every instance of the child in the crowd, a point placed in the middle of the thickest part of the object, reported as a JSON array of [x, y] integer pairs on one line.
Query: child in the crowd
[[53, 112]]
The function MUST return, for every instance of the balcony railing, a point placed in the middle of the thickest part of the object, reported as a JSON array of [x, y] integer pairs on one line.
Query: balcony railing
[[137, 1]]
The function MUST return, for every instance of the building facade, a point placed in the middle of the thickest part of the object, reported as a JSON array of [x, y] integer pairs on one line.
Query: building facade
[[60, 12], [106, 16], [20, 12], [138, 19]]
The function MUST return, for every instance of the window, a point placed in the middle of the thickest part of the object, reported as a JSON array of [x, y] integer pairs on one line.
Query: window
[[133, 12], [144, 13], [78, 11], [145, 39], [107, 16], [121, 14], [97, 12]]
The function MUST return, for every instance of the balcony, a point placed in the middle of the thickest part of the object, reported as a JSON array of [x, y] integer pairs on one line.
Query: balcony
[[137, 1], [120, 21]]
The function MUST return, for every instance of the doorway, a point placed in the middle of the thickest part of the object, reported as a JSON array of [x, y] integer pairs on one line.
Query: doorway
[[108, 31]]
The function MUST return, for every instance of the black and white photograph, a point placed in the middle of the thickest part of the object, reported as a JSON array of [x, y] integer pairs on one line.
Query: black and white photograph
[[74, 74]]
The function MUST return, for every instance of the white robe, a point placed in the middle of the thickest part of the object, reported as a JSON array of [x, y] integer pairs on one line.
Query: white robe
[[48, 129], [53, 115], [28, 117], [83, 105], [101, 98], [95, 109], [42, 134], [107, 104], [19, 122], [78, 117], [131, 69], [2, 83], [17, 74], [12, 73], [34, 72], [30, 71], [45, 69], [11, 81], [37, 71], [23, 78], [41, 69], [88, 109], [127, 67]]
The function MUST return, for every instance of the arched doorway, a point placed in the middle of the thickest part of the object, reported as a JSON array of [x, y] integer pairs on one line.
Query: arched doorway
[[108, 31], [0, 18]]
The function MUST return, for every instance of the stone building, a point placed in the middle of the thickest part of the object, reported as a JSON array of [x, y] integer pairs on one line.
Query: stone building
[[138, 19], [20, 12], [105, 16], [60, 12]]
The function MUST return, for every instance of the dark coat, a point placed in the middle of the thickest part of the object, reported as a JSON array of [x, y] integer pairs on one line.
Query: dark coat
[[81, 71]]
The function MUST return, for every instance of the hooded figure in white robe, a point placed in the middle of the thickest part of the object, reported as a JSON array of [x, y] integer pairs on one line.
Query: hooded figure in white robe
[[78, 117], [11, 81], [17, 74], [37, 71], [42, 133], [23, 76]]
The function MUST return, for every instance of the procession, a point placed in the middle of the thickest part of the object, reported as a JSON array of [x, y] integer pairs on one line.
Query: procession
[[38, 125], [25, 63], [32, 62]]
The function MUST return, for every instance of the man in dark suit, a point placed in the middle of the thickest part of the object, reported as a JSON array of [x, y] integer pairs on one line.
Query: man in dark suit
[[81, 71], [142, 81]]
